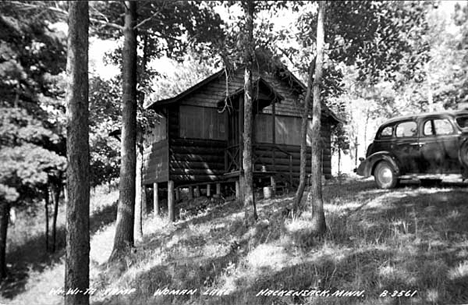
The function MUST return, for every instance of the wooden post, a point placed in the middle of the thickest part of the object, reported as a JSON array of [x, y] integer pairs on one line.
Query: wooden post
[[208, 190], [144, 201], [237, 189], [170, 200], [197, 191], [190, 192], [273, 186], [177, 194], [218, 189], [155, 199]]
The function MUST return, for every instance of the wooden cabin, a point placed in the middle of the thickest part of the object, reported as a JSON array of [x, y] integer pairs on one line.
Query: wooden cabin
[[196, 141]]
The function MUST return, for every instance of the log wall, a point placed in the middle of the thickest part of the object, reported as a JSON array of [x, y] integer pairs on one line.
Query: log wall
[[155, 163]]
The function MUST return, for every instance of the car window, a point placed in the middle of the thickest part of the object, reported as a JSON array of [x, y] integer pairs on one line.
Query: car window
[[406, 129], [462, 121], [427, 128], [386, 132], [443, 127]]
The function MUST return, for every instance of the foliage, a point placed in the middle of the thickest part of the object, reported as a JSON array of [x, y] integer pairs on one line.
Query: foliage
[[449, 59], [32, 146], [105, 118]]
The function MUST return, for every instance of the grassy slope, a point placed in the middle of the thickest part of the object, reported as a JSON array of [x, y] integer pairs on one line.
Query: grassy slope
[[404, 239]]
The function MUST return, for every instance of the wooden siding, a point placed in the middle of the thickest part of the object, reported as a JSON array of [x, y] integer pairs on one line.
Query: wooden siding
[[217, 90], [190, 160], [195, 160], [265, 152], [158, 132], [264, 157], [155, 163]]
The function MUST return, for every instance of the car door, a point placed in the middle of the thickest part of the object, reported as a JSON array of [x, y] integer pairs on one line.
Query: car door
[[439, 146], [405, 147]]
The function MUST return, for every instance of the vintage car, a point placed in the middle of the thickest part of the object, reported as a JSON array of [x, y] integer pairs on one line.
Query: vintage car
[[426, 146]]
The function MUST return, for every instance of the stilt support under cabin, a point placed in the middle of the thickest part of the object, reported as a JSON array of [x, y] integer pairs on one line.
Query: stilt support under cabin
[[197, 191], [237, 189], [190, 192], [218, 190], [170, 200], [273, 186], [208, 190], [155, 199]]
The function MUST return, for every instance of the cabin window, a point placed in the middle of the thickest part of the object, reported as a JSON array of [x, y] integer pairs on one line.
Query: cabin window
[[263, 131], [287, 129], [201, 123], [157, 132]]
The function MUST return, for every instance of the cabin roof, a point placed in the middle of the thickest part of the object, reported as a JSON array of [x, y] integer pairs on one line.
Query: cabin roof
[[285, 75]]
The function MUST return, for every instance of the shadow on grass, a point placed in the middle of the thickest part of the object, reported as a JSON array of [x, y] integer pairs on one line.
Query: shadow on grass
[[412, 238], [32, 256]]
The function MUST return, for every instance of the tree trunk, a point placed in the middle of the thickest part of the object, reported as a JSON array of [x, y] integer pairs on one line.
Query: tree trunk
[[249, 198], [46, 212], [4, 217], [139, 195], [315, 199], [55, 197], [124, 238], [297, 205], [77, 224]]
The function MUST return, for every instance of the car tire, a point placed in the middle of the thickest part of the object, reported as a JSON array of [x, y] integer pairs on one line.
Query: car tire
[[464, 154], [385, 176]]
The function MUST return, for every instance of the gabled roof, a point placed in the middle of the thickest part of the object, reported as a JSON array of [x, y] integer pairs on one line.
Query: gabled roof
[[294, 81], [187, 92]]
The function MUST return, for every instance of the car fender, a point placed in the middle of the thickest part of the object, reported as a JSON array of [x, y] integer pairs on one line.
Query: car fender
[[368, 165]]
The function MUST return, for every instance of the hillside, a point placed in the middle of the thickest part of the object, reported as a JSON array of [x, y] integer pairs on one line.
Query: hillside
[[404, 246]]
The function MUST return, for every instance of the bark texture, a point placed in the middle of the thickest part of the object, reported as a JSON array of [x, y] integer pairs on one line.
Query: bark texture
[[315, 199], [77, 224], [248, 191], [4, 219], [297, 205], [124, 238]]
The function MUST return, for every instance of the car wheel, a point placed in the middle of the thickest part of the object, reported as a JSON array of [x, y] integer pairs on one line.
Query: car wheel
[[464, 153], [384, 175]]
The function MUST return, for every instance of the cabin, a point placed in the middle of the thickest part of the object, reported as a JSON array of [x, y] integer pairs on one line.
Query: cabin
[[196, 143]]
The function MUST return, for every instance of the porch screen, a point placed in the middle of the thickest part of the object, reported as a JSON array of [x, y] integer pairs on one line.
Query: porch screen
[[287, 129], [201, 123]]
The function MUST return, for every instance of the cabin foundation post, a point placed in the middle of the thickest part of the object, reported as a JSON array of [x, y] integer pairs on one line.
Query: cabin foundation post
[[197, 191], [170, 200], [208, 190], [190, 192], [218, 190], [273, 186], [177, 194], [237, 189], [155, 199]]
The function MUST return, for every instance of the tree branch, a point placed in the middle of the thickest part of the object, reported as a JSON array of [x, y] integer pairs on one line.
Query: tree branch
[[65, 13], [145, 21]]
